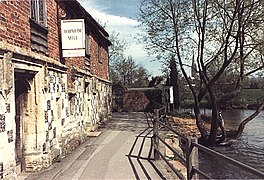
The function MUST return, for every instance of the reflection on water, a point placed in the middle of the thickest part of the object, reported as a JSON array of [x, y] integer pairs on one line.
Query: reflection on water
[[249, 149], [253, 133]]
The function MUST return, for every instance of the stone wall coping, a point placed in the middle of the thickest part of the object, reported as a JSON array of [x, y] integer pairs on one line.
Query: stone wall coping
[[104, 80], [85, 72], [26, 52]]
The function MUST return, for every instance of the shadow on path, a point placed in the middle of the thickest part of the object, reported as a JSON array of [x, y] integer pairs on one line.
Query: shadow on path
[[122, 151], [142, 155]]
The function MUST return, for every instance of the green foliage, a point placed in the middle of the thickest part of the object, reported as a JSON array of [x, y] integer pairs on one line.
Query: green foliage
[[250, 97], [247, 98]]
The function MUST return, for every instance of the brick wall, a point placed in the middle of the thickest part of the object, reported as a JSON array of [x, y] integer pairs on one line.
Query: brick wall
[[53, 35], [135, 101], [100, 69], [14, 23], [55, 119]]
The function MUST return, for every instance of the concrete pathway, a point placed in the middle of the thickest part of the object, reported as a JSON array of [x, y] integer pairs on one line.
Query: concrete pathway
[[122, 151]]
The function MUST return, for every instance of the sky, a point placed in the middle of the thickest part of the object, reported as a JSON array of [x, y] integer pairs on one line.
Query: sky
[[121, 16]]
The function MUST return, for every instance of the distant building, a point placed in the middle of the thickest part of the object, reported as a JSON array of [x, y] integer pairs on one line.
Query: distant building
[[51, 93]]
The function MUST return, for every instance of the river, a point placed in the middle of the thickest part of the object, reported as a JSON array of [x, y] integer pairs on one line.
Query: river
[[249, 149]]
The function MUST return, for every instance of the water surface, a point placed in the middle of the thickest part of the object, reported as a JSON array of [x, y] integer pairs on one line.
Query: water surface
[[249, 149]]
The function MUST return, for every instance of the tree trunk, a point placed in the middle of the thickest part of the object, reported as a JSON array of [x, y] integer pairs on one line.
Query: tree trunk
[[214, 124], [222, 127], [247, 120], [200, 124]]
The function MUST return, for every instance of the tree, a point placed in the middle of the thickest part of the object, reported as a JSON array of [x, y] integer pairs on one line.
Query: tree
[[125, 71], [173, 81], [154, 96], [224, 37], [116, 54], [130, 74], [160, 41], [141, 77]]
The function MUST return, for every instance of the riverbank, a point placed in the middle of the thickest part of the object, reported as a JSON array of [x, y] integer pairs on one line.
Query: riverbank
[[185, 126], [246, 99], [248, 149]]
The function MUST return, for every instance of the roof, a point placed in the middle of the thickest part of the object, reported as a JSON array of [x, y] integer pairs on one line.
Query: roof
[[77, 8]]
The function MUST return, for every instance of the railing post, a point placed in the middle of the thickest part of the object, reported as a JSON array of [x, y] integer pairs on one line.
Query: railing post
[[191, 154], [155, 133], [188, 155]]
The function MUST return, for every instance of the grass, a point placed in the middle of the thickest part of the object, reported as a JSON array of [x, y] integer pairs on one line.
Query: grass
[[247, 98], [251, 96]]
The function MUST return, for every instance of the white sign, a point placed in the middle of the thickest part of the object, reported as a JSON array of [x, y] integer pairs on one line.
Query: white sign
[[73, 34], [73, 52], [171, 95]]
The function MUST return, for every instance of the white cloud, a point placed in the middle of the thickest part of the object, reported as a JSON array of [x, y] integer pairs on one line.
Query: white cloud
[[112, 20], [128, 30]]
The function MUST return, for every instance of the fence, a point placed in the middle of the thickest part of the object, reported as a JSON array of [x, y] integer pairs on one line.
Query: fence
[[190, 148]]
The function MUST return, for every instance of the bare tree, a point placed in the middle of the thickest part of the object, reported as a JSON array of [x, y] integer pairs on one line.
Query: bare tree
[[124, 70], [223, 36], [116, 54]]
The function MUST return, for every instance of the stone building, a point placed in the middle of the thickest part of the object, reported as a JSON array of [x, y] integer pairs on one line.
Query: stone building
[[48, 101]]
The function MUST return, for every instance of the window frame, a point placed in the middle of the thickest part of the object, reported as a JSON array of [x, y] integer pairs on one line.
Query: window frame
[[99, 51], [87, 45], [38, 14]]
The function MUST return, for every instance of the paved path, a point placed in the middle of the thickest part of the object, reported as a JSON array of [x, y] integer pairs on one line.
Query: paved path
[[122, 151]]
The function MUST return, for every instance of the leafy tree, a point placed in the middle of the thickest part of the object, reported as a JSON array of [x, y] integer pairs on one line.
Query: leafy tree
[[154, 96], [130, 74], [224, 37], [141, 77], [124, 70], [116, 54]]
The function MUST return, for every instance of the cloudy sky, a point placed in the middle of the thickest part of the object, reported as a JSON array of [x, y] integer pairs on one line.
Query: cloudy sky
[[120, 16]]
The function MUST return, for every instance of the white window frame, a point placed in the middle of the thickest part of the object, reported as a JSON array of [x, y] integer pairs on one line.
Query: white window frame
[[35, 12]]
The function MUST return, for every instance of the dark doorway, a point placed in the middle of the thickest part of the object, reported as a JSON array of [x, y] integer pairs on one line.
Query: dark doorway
[[22, 89]]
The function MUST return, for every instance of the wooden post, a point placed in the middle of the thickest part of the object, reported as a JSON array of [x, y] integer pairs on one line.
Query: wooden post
[[155, 133], [191, 158], [188, 155], [195, 158]]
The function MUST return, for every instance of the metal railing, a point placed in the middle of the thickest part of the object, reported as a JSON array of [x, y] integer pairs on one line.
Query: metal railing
[[190, 148]]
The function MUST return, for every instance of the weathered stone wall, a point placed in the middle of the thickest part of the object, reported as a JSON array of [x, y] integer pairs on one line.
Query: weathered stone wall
[[56, 107], [7, 116], [73, 131], [55, 121]]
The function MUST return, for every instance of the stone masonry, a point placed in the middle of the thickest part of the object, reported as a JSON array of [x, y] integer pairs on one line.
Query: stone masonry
[[48, 103]]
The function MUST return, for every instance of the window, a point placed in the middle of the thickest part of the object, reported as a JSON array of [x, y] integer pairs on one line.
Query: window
[[38, 27], [99, 53], [38, 12], [87, 52], [87, 45]]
